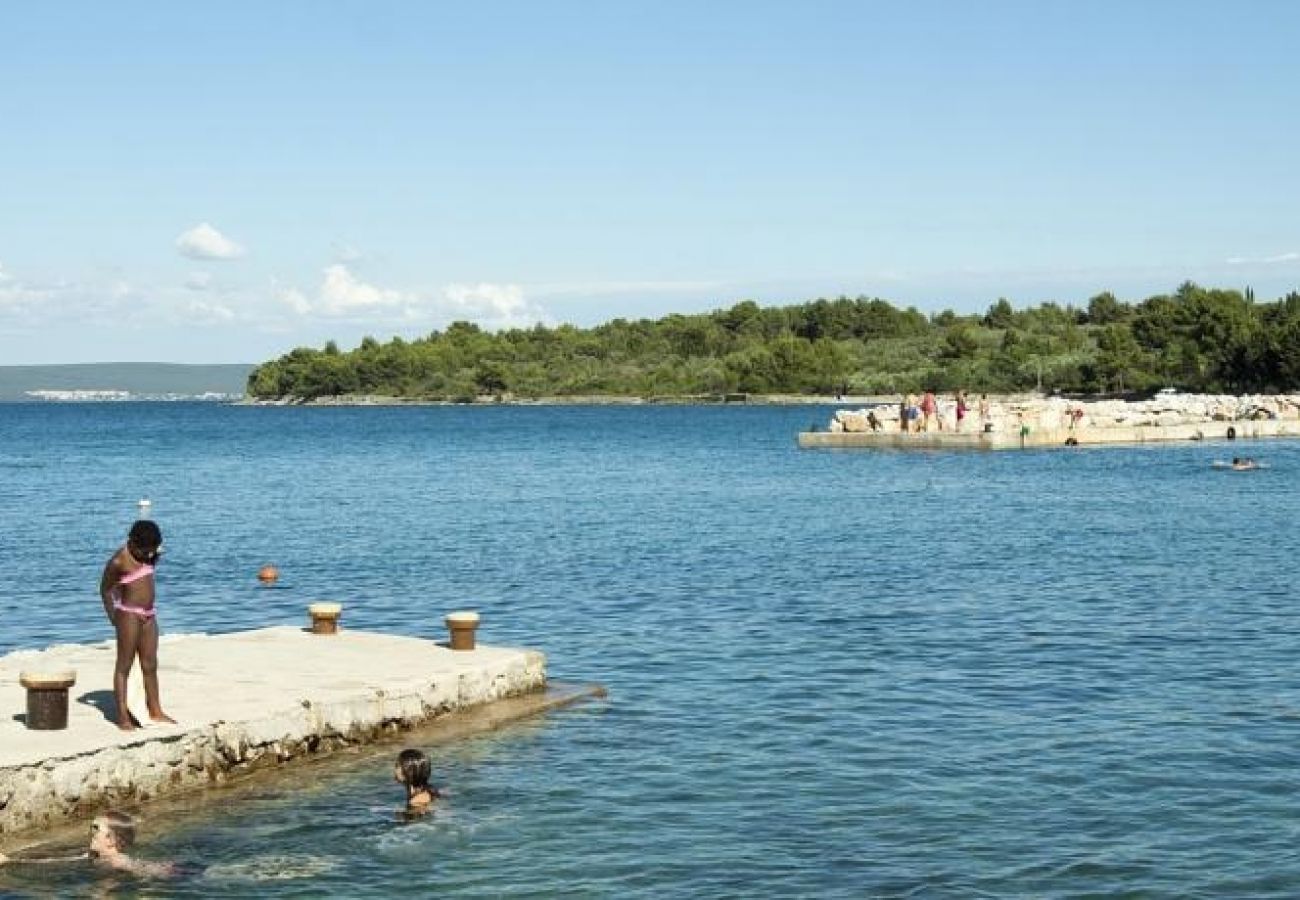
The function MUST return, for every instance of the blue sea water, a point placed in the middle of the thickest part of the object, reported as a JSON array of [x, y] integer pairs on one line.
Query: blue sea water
[[835, 674]]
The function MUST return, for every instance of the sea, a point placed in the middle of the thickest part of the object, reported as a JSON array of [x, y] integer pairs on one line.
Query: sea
[[1044, 673]]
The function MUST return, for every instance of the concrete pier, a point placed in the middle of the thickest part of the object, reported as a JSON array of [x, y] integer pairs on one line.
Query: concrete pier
[[242, 701], [1012, 439]]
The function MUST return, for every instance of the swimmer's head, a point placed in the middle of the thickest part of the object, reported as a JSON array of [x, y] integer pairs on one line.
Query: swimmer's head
[[113, 830], [412, 769], [145, 540]]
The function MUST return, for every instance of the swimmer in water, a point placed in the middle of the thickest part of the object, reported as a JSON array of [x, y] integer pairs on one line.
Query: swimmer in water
[[412, 771], [111, 835]]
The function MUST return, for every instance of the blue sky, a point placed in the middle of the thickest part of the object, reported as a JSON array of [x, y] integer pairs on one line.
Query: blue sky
[[191, 183]]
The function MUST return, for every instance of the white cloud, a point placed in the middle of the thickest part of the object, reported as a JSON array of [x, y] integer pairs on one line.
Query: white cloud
[[198, 281], [19, 297], [611, 288], [295, 299], [205, 242], [1267, 260], [495, 305], [343, 293], [204, 313]]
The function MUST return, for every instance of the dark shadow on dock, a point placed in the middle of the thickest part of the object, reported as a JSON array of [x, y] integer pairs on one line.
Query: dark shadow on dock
[[104, 701]]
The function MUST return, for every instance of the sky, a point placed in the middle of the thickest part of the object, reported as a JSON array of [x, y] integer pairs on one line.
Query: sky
[[197, 183]]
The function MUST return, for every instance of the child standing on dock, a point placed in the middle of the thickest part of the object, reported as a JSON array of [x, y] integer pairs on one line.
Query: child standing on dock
[[127, 590]]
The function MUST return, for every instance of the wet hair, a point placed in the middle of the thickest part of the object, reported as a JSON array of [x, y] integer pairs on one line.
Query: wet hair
[[415, 769], [146, 536], [120, 828]]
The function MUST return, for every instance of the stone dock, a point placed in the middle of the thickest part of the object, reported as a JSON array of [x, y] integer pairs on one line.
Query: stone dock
[[243, 702], [1025, 423]]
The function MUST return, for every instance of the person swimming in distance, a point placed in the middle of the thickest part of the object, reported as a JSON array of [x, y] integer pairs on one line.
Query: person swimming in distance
[[412, 771]]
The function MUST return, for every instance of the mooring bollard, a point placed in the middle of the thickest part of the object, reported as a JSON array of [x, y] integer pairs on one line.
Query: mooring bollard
[[325, 617], [47, 699], [462, 626]]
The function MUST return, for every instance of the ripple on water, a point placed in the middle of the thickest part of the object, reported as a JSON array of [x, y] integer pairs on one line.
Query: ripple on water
[[832, 674]]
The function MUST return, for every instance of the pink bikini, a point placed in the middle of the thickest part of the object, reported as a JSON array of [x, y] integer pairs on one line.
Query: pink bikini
[[130, 578]]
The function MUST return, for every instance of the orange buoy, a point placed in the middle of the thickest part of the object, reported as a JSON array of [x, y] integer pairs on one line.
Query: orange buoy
[[268, 574]]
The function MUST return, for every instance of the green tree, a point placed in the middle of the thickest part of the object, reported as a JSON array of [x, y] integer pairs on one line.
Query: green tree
[[1000, 315], [1119, 356], [1105, 309]]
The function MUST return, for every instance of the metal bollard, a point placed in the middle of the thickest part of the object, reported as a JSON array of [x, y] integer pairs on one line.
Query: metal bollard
[[325, 617], [462, 626], [47, 699]]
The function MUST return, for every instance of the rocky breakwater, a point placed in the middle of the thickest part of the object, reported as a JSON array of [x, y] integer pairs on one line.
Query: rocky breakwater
[[1024, 422], [243, 702], [1055, 413]]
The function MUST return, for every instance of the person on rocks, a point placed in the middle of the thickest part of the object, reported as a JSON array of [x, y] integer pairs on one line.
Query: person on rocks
[[930, 410], [127, 590]]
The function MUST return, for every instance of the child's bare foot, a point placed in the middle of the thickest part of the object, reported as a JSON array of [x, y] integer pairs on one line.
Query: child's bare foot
[[129, 724], [162, 718]]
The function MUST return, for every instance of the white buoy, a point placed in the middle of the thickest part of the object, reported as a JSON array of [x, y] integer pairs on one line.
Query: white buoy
[[146, 508]]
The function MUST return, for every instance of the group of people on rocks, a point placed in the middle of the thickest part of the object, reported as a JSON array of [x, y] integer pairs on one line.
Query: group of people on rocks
[[918, 415]]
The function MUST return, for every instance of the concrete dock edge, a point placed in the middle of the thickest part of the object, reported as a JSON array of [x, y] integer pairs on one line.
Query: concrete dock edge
[[294, 696]]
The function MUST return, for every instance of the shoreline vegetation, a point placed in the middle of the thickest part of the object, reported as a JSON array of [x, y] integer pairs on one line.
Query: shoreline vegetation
[[578, 400], [1199, 340]]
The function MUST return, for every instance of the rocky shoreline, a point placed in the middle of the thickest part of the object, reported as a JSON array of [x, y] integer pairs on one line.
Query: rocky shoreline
[[584, 400]]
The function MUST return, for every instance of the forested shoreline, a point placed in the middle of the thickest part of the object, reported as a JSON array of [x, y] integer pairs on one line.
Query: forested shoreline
[[1196, 339]]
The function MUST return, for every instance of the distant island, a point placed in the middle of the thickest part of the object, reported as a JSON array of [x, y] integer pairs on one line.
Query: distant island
[[123, 381], [1196, 339]]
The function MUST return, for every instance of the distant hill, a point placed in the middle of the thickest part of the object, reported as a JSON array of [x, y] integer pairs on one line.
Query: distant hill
[[149, 379]]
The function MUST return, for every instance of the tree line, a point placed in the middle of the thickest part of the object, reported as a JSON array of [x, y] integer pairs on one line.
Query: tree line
[[1196, 339]]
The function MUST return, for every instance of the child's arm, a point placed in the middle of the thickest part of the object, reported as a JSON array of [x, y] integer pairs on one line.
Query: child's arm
[[41, 861], [107, 582]]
